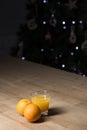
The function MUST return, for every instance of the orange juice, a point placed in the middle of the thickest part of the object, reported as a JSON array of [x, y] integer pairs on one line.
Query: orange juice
[[42, 101]]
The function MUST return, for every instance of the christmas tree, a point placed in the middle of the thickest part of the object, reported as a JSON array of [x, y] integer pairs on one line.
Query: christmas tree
[[54, 34]]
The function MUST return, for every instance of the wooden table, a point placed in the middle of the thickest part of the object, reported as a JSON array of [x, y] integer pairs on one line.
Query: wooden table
[[68, 91]]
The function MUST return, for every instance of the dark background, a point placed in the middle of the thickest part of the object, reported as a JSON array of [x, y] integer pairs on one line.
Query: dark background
[[12, 13]]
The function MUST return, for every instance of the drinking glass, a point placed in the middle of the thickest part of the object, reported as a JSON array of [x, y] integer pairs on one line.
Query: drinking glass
[[41, 99]]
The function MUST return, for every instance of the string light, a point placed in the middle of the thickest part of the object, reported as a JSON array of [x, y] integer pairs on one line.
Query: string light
[[44, 22], [63, 22], [63, 65], [84, 75], [23, 58], [64, 27], [60, 56], [76, 47], [42, 50], [45, 1], [72, 53], [81, 22], [73, 22]]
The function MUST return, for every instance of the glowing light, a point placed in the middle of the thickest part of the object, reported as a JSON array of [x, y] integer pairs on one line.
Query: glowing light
[[45, 1], [42, 50], [64, 27], [80, 21], [52, 15], [63, 65], [84, 75], [72, 53], [76, 47], [63, 22], [73, 22], [60, 55], [23, 58], [44, 22]]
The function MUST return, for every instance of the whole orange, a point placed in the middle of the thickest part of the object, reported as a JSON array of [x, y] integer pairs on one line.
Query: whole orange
[[21, 105], [32, 112]]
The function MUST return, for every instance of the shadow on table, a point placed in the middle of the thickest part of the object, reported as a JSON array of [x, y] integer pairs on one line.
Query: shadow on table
[[56, 111], [41, 120], [52, 112]]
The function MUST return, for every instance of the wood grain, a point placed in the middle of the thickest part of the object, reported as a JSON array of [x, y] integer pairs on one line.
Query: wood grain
[[68, 91]]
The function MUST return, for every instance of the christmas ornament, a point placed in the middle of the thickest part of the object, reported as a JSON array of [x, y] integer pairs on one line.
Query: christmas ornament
[[72, 37], [32, 24], [48, 36], [53, 20], [84, 46], [71, 4]]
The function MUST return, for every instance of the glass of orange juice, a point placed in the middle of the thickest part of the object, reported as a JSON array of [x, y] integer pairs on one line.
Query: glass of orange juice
[[42, 99]]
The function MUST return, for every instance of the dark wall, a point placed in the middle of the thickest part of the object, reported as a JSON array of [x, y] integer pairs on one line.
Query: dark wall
[[12, 13]]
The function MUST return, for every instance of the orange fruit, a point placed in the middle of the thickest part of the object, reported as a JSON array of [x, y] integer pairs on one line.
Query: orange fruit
[[32, 112], [21, 105]]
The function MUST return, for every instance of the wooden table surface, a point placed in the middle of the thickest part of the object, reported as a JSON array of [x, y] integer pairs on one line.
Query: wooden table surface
[[68, 91]]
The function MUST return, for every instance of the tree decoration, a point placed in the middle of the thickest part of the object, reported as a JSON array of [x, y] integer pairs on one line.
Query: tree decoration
[[71, 4], [53, 20], [48, 35], [32, 25], [84, 44], [72, 37], [53, 27]]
